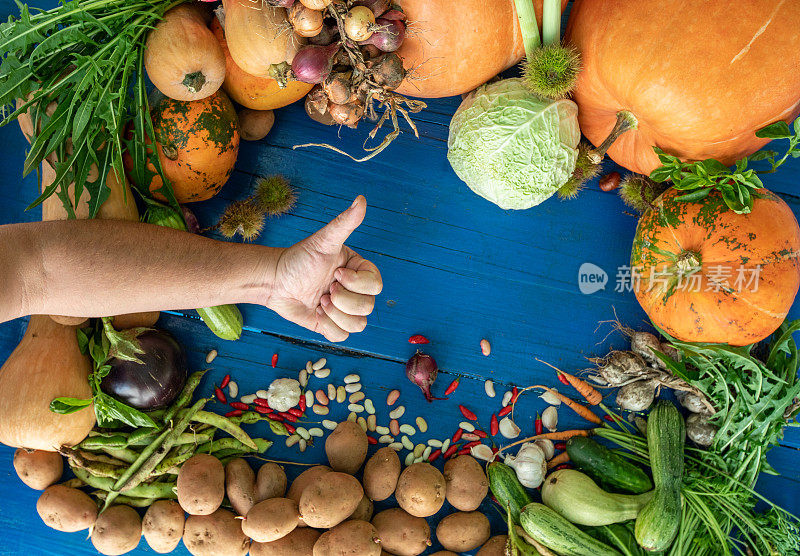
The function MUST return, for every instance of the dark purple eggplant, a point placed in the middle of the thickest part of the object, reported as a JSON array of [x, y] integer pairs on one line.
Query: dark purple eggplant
[[155, 382]]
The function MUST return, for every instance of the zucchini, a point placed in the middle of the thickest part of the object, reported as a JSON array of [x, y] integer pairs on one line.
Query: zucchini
[[507, 489], [577, 497], [658, 522], [556, 533], [606, 466]]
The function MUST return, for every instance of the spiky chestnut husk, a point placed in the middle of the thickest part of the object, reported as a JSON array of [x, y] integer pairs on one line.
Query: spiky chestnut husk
[[552, 71], [243, 218], [585, 170], [639, 192], [274, 196]]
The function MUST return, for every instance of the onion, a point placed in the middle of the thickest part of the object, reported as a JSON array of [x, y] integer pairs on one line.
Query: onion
[[155, 382], [347, 114], [312, 64], [306, 22], [421, 369], [394, 15], [316, 4], [280, 3], [328, 34], [388, 35], [388, 71], [376, 6], [359, 23], [338, 87]]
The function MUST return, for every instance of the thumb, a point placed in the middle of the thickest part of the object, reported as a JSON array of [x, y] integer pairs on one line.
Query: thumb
[[331, 238]]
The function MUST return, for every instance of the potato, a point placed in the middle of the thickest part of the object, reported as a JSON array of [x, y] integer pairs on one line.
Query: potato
[[254, 125], [467, 485], [496, 546], [304, 479], [117, 530], [66, 509], [363, 511], [463, 531], [330, 499], [271, 482], [401, 533], [240, 484], [218, 534], [299, 542], [271, 519], [201, 485], [346, 447], [162, 525], [351, 537], [381, 474], [420, 490], [38, 469]]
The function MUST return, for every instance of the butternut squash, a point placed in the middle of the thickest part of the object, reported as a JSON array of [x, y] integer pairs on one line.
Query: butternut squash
[[182, 57], [46, 364]]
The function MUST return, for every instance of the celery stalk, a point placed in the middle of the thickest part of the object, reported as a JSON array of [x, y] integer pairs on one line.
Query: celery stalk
[[529, 26], [551, 22]]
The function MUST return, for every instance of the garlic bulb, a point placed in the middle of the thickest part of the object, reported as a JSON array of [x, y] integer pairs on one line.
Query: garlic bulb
[[550, 418], [547, 447], [509, 428], [529, 464], [550, 397]]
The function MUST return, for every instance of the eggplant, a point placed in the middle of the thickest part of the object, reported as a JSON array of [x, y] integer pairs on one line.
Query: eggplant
[[156, 381]]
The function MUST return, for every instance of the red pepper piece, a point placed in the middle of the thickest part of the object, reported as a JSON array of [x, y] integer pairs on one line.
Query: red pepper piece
[[457, 436], [560, 446], [261, 402], [220, 394], [468, 414], [469, 445], [234, 413], [514, 395], [494, 425], [277, 418], [274, 361], [289, 417], [463, 452], [289, 428], [481, 434], [537, 425], [372, 440], [450, 451], [563, 466], [225, 381], [434, 455], [452, 387], [240, 405], [418, 339], [302, 404], [295, 411], [505, 411], [608, 418], [562, 379], [262, 410]]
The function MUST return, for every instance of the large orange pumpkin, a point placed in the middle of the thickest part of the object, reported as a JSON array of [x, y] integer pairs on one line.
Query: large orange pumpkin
[[197, 142], [700, 81], [452, 47], [706, 274], [253, 92]]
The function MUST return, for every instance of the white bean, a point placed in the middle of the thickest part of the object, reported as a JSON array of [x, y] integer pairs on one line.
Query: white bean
[[302, 445], [316, 431], [419, 449], [320, 409], [488, 386], [352, 379], [380, 429], [427, 453], [341, 394], [328, 424], [319, 364], [211, 356], [322, 373], [387, 439], [369, 406], [407, 444], [486, 347], [292, 440], [409, 459], [352, 387], [355, 408], [396, 446], [435, 443], [392, 397], [356, 397], [322, 399], [309, 369], [261, 394], [362, 423], [248, 399], [467, 426], [422, 424], [302, 378], [417, 460], [352, 417], [507, 398], [397, 412], [445, 445], [372, 423], [408, 429], [331, 392], [309, 398], [233, 389], [303, 433]]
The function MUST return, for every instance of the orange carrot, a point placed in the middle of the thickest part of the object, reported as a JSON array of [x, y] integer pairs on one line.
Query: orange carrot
[[555, 461], [555, 436], [585, 389], [581, 410]]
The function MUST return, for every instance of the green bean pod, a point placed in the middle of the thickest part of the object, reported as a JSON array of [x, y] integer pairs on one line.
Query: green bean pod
[[225, 425], [185, 396], [153, 490], [122, 454], [127, 500], [100, 442]]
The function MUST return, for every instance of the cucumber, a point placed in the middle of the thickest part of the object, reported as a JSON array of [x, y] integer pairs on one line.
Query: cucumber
[[559, 535], [507, 489], [606, 466], [576, 497], [659, 521]]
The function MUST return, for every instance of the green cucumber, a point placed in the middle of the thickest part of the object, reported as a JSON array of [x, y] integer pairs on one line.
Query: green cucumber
[[577, 497], [507, 489], [659, 521], [606, 466], [556, 533]]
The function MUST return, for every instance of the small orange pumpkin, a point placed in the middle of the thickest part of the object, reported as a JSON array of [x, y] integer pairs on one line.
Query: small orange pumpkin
[[703, 273], [256, 93], [197, 143], [182, 58]]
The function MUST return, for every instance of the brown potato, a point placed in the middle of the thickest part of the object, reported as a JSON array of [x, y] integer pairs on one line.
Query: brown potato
[[304, 479], [467, 485], [117, 530], [162, 525], [37, 468], [363, 511], [420, 490], [240, 484], [271, 482], [218, 534], [381, 474], [299, 542], [463, 531], [401, 533], [66, 509], [201, 485], [351, 537], [496, 546], [346, 447], [330, 499], [271, 519], [254, 125]]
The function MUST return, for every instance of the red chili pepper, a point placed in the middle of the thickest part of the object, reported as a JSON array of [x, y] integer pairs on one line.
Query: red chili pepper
[[434, 455], [220, 394], [288, 416], [505, 411], [289, 428], [608, 418], [276, 418], [494, 425], [262, 409], [302, 404], [372, 440], [563, 466], [457, 436], [234, 413], [240, 405], [481, 434], [261, 402], [537, 425], [452, 387], [514, 395], [560, 446], [274, 360], [562, 379], [450, 451], [469, 445], [418, 339], [467, 413], [225, 381], [295, 411], [463, 452]]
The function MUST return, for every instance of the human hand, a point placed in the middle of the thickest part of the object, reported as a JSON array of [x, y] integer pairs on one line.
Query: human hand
[[325, 286]]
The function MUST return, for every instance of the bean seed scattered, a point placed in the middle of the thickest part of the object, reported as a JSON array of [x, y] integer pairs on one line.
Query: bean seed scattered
[[427, 452], [211, 355], [380, 429], [435, 443], [322, 373], [507, 398], [352, 378], [328, 424], [445, 445], [356, 397], [488, 386], [408, 429], [302, 432], [355, 408], [319, 364], [331, 392], [261, 394], [407, 444], [486, 347], [309, 398], [320, 409], [467, 426], [394, 427], [396, 446], [352, 387], [386, 439], [417, 460], [409, 459], [372, 422], [302, 445], [392, 397], [397, 412], [316, 431], [233, 389], [341, 394], [248, 399], [470, 436], [321, 397], [292, 440], [369, 406], [302, 378], [352, 417], [362, 423], [422, 424], [418, 450]]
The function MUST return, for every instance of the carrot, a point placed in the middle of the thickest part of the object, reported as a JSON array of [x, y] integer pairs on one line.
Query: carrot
[[585, 389], [581, 410], [555, 461], [555, 436]]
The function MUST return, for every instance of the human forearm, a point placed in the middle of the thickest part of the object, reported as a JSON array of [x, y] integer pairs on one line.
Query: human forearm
[[96, 268]]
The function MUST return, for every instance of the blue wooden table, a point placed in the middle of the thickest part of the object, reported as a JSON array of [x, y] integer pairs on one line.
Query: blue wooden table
[[456, 268]]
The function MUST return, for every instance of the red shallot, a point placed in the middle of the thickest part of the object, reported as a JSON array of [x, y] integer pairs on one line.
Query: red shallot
[[312, 63], [421, 369]]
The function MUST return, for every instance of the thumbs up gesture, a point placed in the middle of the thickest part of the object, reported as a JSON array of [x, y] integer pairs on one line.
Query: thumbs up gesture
[[322, 284]]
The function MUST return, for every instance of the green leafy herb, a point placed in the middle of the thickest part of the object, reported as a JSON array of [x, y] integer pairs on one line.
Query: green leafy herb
[[738, 185]]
